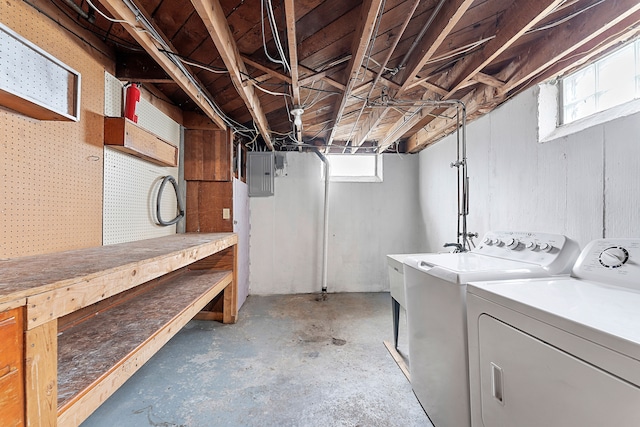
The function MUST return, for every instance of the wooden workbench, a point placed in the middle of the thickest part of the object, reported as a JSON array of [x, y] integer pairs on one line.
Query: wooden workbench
[[92, 317]]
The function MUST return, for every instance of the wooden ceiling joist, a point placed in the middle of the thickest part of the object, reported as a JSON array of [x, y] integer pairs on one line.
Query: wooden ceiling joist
[[443, 23], [290, 14], [121, 12], [620, 33], [563, 40], [215, 21], [521, 17], [369, 12], [258, 66]]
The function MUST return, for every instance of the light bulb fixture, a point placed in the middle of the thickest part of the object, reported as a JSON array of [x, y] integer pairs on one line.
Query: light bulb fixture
[[297, 117]]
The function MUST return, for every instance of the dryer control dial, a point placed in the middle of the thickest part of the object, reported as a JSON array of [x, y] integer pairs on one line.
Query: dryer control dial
[[613, 257], [532, 246]]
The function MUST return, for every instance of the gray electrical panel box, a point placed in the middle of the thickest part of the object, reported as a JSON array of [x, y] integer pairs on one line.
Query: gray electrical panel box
[[260, 173]]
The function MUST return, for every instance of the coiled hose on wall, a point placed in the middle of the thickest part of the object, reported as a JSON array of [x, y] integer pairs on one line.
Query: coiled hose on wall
[[180, 207]]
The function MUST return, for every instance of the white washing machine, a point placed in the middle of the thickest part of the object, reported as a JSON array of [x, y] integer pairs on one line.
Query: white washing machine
[[563, 351], [435, 292]]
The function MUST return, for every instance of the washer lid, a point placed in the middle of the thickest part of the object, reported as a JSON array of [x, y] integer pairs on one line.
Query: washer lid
[[607, 315], [467, 266]]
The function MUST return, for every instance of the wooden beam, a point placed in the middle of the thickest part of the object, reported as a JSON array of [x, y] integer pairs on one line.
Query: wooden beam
[[446, 20], [518, 18], [441, 126], [443, 24], [290, 16], [319, 76], [120, 11], [368, 16], [215, 21], [434, 88], [488, 80], [272, 73], [618, 34], [562, 40]]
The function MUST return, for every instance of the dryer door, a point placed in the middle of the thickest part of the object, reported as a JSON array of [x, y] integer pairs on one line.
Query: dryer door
[[528, 383]]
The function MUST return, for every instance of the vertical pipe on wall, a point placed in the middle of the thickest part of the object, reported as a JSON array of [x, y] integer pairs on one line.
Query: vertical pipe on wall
[[325, 238]]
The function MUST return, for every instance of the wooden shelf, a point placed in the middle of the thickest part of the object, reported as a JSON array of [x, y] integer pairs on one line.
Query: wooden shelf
[[124, 135], [98, 355], [94, 316]]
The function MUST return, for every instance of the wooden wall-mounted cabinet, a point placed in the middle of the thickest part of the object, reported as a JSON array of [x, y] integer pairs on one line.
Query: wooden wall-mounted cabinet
[[208, 155]]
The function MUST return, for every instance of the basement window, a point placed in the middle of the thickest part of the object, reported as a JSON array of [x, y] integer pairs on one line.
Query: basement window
[[355, 167], [601, 92], [608, 82]]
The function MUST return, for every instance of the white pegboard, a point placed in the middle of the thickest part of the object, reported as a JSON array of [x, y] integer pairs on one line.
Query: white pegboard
[[130, 190], [149, 117], [112, 96], [154, 120], [33, 74]]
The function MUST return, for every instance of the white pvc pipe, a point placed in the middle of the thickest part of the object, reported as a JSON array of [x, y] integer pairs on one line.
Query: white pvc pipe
[[325, 240]]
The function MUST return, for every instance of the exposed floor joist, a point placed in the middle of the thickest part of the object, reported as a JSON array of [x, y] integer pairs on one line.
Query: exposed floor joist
[[370, 10], [216, 23]]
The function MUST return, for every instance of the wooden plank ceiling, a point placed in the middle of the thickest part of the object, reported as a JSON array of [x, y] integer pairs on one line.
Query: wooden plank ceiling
[[357, 68]]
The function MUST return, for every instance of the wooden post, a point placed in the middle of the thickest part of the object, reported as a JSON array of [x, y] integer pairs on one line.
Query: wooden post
[[41, 349]]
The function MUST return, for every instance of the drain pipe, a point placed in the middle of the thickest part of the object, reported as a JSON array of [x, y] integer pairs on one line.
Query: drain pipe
[[325, 239]]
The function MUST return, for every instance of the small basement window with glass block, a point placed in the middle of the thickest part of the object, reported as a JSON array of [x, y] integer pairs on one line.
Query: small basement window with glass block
[[608, 82], [355, 167]]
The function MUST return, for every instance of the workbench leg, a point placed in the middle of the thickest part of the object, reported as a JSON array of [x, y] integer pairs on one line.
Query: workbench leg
[[41, 348], [395, 312]]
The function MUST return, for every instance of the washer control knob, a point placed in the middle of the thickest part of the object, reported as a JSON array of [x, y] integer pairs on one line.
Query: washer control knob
[[614, 257], [513, 243], [532, 246], [488, 241], [497, 242], [546, 247]]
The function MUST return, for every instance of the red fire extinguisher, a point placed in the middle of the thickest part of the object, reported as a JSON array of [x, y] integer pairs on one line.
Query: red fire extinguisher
[[132, 98]]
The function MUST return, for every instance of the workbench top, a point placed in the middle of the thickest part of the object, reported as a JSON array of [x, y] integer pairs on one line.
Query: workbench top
[[23, 277]]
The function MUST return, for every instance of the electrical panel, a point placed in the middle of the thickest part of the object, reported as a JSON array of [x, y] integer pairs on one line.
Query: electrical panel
[[260, 173]]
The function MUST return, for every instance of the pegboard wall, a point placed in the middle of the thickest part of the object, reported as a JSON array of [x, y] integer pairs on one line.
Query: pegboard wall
[[51, 172], [130, 190], [130, 184]]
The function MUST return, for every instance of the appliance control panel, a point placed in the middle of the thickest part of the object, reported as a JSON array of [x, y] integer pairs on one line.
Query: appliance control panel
[[555, 252], [612, 261]]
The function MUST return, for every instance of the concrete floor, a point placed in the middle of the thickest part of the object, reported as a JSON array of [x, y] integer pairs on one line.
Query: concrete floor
[[289, 361]]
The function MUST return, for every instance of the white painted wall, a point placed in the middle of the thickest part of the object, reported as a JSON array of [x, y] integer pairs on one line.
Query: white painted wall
[[367, 221], [585, 185]]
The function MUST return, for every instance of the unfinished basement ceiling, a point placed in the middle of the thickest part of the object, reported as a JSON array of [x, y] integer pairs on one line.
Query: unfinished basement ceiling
[[356, 68]]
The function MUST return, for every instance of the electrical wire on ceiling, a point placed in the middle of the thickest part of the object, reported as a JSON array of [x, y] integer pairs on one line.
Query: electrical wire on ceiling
[[275, 35]]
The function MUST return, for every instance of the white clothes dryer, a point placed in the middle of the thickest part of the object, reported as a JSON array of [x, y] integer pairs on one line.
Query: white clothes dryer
[[435, 292], [559, 352]]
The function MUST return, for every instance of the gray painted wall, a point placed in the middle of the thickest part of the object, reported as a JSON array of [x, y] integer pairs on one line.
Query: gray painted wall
[[367, 221], [585, 185]]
